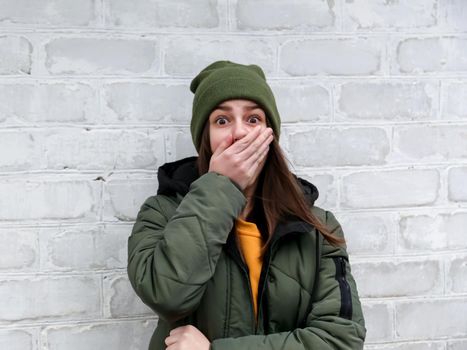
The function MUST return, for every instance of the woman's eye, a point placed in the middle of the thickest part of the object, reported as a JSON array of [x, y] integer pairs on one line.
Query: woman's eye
[[221, 121], [255, 118]]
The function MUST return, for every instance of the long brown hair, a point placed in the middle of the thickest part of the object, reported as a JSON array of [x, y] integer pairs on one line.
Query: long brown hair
[[277, 192]]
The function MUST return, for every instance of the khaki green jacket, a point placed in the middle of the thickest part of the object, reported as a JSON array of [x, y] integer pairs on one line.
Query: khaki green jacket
[[183, 262]]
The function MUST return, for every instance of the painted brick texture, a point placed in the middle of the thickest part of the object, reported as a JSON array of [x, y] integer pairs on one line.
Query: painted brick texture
[[94, 96]]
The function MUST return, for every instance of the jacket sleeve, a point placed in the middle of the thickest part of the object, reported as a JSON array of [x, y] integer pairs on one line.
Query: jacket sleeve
[[170, 259], [335, 321]]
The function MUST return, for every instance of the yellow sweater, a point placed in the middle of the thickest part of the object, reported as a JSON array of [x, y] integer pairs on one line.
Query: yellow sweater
[[251, 242]]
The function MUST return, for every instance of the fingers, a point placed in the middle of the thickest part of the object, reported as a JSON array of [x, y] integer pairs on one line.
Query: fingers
[[223, 145], [259, 154], [186, 337], [239, 160], [177, 330], [256, 153], [256, 164], [174, 335], [171, 340], [243, 143], [263, 155], [254, 147]]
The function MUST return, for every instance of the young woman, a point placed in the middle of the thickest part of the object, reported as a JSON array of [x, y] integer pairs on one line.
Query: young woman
[[232, 253]]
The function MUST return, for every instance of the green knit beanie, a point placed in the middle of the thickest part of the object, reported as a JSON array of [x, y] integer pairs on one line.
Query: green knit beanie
[[225, 80]]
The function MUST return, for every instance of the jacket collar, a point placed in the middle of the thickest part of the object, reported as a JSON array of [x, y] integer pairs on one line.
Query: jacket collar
[[293, 225], [283, 229], [176, 177]]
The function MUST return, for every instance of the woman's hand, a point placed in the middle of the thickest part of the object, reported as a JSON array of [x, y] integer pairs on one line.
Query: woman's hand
[[187, 338], [241, 161]]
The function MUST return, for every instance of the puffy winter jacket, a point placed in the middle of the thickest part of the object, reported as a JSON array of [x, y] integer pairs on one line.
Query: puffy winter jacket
[[183, 262]]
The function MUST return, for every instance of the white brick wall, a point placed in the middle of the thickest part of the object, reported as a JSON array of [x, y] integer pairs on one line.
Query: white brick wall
[[94, 96]]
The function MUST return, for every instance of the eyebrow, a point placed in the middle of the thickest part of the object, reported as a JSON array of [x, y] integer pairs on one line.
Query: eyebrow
[[227, 108]]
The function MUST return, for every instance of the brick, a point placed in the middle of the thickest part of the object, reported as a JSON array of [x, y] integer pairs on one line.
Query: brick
[[379, 322], [434, 319], [104, 149], [440, 232], [408, 346], [19, 150], [341, 147], [363, 15], [279, 15], [457, 344], [179, 144], [368, 234], [302, 102], [47, 102], [123, 198], [180, 60], [429, 55], [115, 335], [457, 282], [121, 300], [453, 96], [18, 339], [84, 247], [457, 191], [49, 297], [453, 14], [356, 56], [431, 143], [185, 146], [100, 56], [53, 196], [19, 249], [16, 54], [395, 279], [162, 14], [391, 188], [47, 13], [387, 100], [147, 103], [327, 188]]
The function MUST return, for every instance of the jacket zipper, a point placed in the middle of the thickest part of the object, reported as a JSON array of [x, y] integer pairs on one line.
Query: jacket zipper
[[346, 295], [252, 313], [260, 306], [238, 258], [262, 285], [247, 275], [261, 292]]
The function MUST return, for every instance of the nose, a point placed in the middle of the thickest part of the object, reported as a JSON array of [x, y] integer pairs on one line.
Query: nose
[[239, 131]]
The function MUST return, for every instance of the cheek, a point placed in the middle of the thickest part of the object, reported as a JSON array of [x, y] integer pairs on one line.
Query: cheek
[[215, 138], [263, 124]]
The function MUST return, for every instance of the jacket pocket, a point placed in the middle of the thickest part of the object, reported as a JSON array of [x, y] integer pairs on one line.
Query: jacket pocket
[[346, 294]]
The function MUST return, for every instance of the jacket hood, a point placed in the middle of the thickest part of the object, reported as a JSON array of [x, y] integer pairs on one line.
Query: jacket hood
[[176, 177]]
